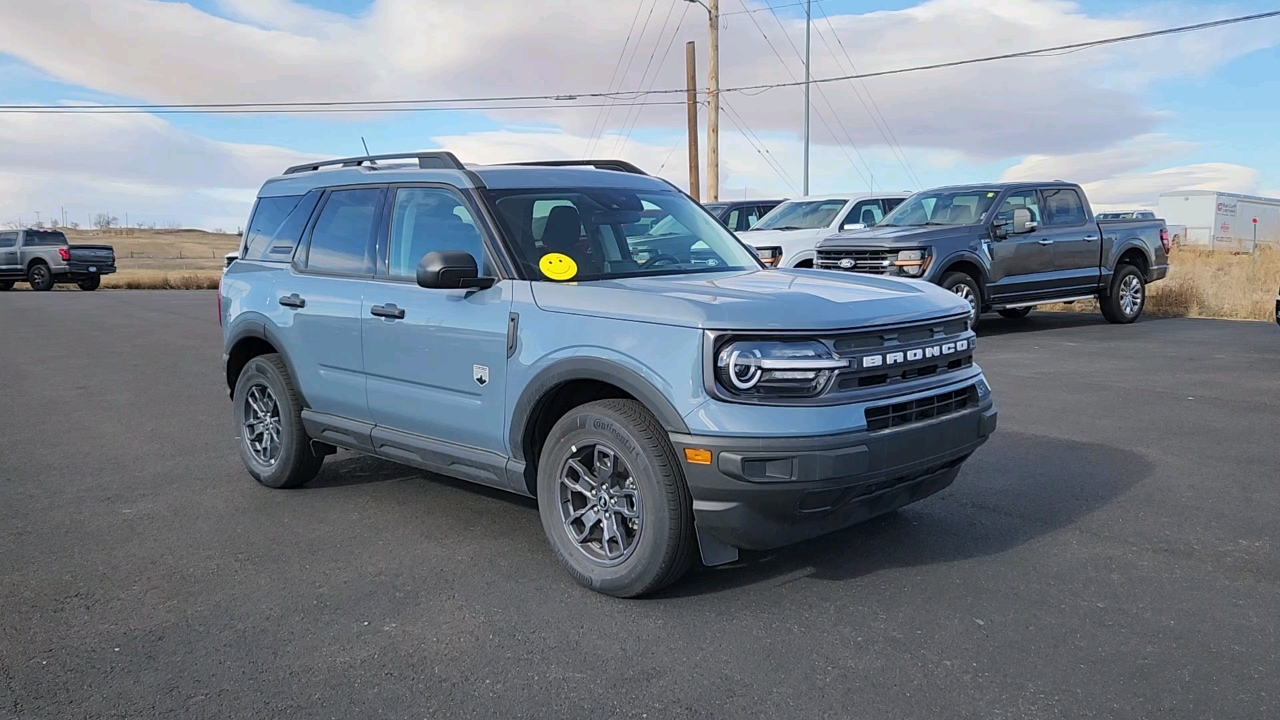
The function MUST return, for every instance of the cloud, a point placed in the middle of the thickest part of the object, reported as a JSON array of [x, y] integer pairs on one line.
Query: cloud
[[280, 50], [1125, 192]]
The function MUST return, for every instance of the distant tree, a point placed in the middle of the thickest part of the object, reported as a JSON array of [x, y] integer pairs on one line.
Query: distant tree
[[105, 221], [218, 231], [172, 225], [73, 225]]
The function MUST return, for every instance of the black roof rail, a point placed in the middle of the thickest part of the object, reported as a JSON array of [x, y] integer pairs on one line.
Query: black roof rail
[[435, 160], [615, 165]]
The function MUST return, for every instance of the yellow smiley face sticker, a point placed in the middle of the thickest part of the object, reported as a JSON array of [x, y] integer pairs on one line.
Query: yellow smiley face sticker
[[558, 266]]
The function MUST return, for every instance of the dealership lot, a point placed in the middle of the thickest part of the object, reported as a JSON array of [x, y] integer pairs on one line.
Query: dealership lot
[[1114, 551]]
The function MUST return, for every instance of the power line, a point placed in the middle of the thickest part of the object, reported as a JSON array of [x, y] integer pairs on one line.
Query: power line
[[621, 143], [758, 145], [625, 72], [767, 8], [893, 144], [634, 94], [616, 66], [111, 110]]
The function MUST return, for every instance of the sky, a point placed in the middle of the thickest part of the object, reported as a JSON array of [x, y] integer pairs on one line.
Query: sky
[[1127, 121]]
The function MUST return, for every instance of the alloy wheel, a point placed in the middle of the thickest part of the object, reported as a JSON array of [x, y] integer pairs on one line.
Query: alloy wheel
[[262, 427], [1131, 295], [600, 503], [966, 294]]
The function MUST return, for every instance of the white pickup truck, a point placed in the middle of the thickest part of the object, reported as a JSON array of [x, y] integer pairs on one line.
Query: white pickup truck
[[787, 236]]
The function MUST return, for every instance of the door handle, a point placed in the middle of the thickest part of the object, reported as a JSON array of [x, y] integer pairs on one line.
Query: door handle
[[1091, 238], [1045, 241], [387, 311], [293, 301]]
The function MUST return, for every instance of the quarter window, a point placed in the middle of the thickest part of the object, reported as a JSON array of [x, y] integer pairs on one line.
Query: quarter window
[[277, 226], [8, 239], [340, 239], [430, 220]]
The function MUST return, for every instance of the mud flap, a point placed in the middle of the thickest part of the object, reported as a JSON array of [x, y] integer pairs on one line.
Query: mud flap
[[715, 552]]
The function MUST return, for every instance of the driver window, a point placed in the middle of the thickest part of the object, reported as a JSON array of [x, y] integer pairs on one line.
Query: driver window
[[430, 220], [867, 212], [1028, 199]]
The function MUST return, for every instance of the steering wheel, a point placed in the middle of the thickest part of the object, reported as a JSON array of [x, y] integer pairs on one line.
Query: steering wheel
[[660, 259]]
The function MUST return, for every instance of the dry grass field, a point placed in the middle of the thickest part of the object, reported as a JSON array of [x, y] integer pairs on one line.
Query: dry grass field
[[1200, 283], [1211, 284]]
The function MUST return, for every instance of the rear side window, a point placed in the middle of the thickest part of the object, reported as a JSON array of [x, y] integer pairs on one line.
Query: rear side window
[[1063, 207], [45, 238], [891, 203], [340, 241], [8, 239], [277, 225]]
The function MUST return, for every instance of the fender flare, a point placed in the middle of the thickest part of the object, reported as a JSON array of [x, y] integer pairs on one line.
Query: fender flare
[[1124, 246], [588, 368], [965, 256], [253, 325]]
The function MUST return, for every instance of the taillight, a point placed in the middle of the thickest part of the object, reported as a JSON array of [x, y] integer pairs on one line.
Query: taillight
[[64, 253], [1164, 239]]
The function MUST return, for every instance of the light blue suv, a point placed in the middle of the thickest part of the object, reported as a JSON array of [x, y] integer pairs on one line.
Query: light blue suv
[[519, 327]]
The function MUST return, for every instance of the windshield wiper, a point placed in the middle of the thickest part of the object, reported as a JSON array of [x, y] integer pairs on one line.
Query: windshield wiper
[[788, 227], [935, 222]]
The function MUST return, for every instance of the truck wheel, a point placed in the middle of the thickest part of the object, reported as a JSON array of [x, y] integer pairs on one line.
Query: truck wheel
[[90, 284], [967, 288], [268, 412], [1015, 313], [6, 285], [1128, 296], [613, 499], [39, 277]]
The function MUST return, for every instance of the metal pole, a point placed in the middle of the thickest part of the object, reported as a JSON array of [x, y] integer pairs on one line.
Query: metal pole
[[691, 102], [713, 108], [808, 76]]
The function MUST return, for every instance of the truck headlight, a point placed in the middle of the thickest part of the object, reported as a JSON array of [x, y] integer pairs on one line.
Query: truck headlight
[[912, 262], [770, 256], [776, 368]]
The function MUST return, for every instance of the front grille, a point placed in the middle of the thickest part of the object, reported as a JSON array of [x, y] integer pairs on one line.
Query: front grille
[[878, 262], [927, 408]]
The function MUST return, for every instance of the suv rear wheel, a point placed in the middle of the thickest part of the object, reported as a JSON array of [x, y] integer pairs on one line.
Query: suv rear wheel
[[613, 499], [268, 412], [90, 283]]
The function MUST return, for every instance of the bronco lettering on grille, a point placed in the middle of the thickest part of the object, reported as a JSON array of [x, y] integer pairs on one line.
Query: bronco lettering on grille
[[896, 358]]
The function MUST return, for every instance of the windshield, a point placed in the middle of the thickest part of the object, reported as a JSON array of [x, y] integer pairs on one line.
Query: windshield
[[943, 207], [600, 233], [801, 215]]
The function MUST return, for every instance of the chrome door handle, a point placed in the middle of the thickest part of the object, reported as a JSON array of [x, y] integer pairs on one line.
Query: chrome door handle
[[387, 311], [1091, 238], [1046, 241]]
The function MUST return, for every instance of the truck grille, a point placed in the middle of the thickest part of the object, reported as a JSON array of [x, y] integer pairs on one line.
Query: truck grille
[[927, 408], [878, 262]]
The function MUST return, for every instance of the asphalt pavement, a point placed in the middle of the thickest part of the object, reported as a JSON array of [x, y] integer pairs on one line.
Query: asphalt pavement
[[1113, 552]]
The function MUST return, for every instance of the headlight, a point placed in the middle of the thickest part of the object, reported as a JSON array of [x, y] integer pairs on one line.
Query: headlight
[[770, 256], [912, 262], [776, 368]]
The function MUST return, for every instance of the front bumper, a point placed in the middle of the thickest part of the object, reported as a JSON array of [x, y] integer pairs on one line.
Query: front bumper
[[765, 493]]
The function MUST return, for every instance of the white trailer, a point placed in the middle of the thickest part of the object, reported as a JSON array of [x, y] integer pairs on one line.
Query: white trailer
[[1223, 221]]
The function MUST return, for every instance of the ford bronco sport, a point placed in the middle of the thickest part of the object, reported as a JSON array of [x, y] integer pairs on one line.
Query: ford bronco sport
[[492, 323]]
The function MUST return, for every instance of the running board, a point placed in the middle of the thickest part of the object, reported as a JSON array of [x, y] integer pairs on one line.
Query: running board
[[1048, 301]]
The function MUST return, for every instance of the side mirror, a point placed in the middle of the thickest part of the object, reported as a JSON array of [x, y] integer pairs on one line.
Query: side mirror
[[1022, 222], [853, 226], [451, 270]]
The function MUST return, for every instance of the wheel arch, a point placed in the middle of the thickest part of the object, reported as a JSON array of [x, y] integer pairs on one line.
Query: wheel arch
[[247, 340], [567, 384], [968, 264]]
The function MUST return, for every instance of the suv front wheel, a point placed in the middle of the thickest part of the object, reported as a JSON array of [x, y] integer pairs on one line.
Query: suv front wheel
[[613, 499], [268, 413]]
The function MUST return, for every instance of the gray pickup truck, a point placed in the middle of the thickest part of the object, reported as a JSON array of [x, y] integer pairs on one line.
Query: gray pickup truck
[[43, 258], [1009, 247]]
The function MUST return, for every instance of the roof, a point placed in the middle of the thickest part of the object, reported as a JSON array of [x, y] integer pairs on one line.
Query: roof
[[851, 196], [750, 201], [1237, 196], [445, 168], [1002, 186]]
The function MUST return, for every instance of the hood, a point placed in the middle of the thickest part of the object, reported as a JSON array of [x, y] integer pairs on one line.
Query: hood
[[766, 238], [905, 237], [754, 300]]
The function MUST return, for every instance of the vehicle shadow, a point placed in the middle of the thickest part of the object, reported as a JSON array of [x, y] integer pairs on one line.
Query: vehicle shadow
[[1018, 488], [1037, 321]]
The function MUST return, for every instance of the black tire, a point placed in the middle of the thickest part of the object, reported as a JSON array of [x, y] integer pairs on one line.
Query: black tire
[[90, 283], [295, 463], [662, 547], [1015, 313], [6, 285], [39, 277], [1120, 306], [966, 287]]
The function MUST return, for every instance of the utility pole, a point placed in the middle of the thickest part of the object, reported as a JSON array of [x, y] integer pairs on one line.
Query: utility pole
[[691, 102], [808, 77], [713, 109], [713, 100]]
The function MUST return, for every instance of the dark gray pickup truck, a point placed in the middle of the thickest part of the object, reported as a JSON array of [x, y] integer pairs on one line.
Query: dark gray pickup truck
[[1009, 247], [43, 258]]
